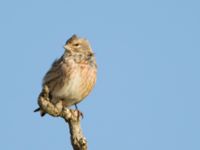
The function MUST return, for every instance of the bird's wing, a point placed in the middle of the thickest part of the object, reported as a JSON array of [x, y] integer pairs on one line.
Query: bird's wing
[[54, 72]]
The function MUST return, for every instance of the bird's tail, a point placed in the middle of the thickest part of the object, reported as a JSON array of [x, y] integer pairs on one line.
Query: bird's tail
[[42, 113], [36, 110]]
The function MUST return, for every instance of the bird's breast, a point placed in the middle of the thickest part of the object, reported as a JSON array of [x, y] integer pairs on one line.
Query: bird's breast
[[78, 85]]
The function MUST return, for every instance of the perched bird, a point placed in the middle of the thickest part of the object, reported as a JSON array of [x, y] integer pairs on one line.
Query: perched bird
[[71, 77]]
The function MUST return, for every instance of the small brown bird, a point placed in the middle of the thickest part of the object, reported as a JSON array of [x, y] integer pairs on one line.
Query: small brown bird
[[71, 77]]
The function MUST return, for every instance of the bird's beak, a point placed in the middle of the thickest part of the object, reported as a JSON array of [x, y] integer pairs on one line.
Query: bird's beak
[[66, 47]]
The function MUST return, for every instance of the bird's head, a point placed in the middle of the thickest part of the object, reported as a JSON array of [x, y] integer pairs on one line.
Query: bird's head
[[78, 45]]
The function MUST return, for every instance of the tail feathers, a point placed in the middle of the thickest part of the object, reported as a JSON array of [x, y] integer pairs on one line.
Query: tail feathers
[[36, 110], [42, 113]]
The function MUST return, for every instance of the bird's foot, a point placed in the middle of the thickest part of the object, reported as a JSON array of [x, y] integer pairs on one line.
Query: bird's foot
[[80, 114]]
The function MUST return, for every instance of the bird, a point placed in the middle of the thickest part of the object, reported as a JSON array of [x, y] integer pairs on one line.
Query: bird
[[71, 77]]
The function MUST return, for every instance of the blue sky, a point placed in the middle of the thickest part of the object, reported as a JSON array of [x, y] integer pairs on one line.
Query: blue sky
[[147, 92]]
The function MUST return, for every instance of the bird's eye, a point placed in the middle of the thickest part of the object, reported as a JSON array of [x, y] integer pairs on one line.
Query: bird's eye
[[76, 44]]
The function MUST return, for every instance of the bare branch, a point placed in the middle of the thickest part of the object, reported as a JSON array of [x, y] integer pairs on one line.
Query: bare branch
[[72, 117]]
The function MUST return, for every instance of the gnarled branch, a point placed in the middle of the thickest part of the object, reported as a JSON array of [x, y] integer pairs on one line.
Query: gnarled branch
[[72, 117]]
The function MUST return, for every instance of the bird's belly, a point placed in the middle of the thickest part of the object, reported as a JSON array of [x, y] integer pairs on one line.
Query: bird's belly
[[70, 90], [78, 86]]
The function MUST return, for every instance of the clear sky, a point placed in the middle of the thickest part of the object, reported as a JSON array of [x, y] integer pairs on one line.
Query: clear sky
[[147, 95]]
